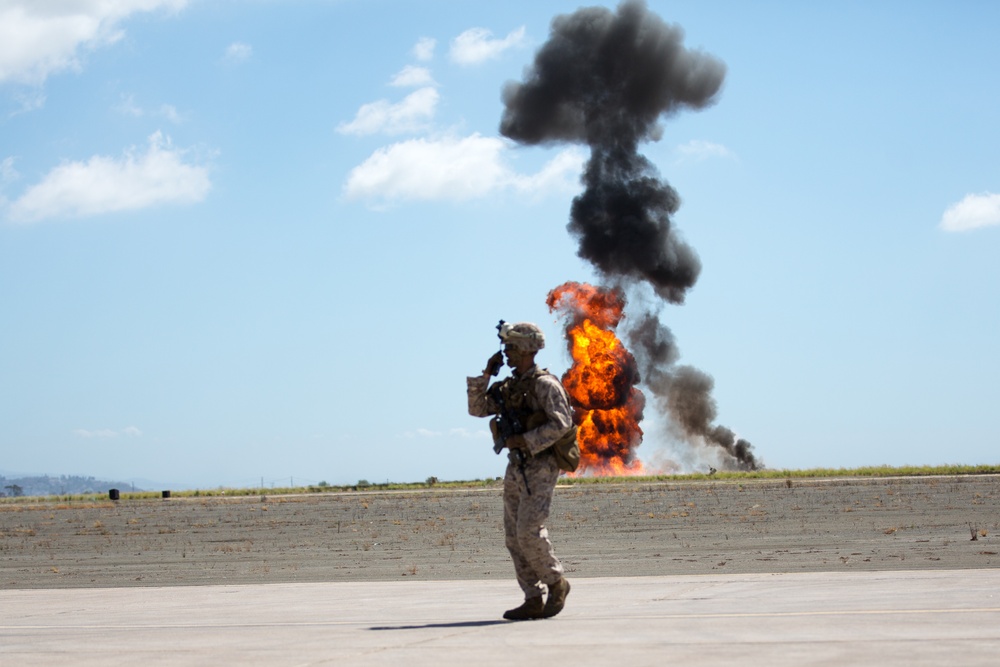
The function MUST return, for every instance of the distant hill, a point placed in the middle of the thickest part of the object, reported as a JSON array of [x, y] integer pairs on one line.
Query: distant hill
[[45, 485]]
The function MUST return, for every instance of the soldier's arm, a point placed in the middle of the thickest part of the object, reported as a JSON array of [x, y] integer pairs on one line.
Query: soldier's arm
[[480, 404]]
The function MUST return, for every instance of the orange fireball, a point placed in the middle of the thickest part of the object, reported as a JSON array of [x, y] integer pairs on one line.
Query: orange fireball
[[601, 382]]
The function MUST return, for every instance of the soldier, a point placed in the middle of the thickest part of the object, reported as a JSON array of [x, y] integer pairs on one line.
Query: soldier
[[538, 403]]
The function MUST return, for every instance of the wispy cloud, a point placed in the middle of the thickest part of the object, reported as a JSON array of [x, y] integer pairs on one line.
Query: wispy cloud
[[423, 50], [477, 45], [698, 150], [973, 212], [40, 38], [102, 184], [411, 114], [413, 76], [238, 52], [467, 433], [8, 174], [128, 107], [105, 433], [455, 169], [169, 111], [28, 100]]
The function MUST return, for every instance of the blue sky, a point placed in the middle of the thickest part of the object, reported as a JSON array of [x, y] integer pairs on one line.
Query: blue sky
[[251, 239]]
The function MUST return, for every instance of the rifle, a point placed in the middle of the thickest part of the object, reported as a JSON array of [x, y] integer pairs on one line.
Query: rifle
[[505, 425], [507, 422]]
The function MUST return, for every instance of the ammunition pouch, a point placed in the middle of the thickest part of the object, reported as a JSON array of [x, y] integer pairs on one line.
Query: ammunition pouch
[[565, 450]]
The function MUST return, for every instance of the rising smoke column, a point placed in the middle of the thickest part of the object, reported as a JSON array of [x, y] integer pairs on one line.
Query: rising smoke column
[[605, 79]]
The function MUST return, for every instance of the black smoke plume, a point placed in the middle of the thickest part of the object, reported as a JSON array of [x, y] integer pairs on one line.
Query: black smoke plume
[[606, 79]]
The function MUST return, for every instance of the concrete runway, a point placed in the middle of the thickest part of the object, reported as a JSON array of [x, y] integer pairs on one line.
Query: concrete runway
[[911, 618]]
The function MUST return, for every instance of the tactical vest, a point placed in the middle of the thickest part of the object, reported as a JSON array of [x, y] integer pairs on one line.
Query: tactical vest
[[518, 393]]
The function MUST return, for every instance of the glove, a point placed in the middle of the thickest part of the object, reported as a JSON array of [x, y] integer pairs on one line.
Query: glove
[[494, 364]]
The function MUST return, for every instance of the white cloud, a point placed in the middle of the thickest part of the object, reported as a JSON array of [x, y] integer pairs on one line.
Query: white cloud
[[105, 184], [454, 169], [973, 212], [41, 37], [477, 45], [129, 431], [29, 99], [238, 52], [430, 170], [8, 174], [424, 49], [445, 168], [169, 111], [560, 174], [128, 107], [697, 149], [467, 433], [410, 115], [412, 76]]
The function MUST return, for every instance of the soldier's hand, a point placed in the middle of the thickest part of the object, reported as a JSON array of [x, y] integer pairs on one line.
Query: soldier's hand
[[494, 364], [517, 442]]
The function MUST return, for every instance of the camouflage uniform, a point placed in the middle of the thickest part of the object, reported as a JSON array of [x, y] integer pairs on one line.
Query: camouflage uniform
[[527, 496]]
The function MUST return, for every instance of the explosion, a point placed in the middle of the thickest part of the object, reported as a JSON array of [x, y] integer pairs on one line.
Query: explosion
[[605, 79], [601, 382]]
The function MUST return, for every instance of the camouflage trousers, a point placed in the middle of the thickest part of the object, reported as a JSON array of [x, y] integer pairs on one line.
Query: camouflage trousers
[[524, 517]]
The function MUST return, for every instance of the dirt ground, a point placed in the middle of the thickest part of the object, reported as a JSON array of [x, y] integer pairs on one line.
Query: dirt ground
[[598, 530]]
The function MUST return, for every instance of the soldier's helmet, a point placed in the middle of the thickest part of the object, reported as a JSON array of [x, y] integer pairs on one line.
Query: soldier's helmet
[[523, 336]]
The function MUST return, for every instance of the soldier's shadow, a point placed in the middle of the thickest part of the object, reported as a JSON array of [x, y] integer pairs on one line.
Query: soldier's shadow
[[426, 626]]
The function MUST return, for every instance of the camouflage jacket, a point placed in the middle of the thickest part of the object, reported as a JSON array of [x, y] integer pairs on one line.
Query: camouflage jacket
[[538, 390]]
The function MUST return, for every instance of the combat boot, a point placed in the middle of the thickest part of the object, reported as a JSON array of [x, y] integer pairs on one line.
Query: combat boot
[[531, 609], [557, 598]]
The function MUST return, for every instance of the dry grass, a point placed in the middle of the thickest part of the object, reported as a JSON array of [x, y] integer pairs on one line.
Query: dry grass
[[630, 528]]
